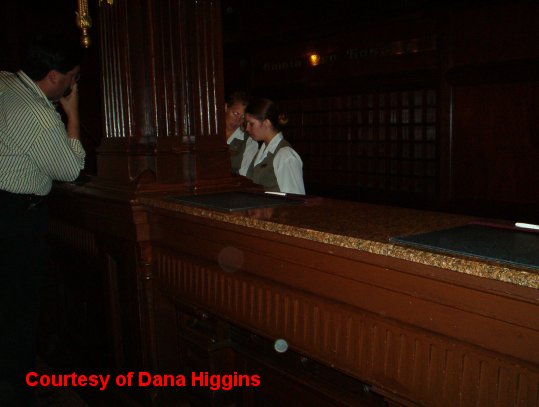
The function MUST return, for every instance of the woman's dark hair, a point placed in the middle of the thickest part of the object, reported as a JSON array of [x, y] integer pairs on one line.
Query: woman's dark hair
[[264, 109], [44, 53]]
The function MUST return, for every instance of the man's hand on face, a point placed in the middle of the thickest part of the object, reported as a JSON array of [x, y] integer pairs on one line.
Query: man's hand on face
[[70, 102]]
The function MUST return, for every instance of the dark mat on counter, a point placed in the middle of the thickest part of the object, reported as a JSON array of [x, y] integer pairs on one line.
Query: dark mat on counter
[[513, 247], [235, 201]]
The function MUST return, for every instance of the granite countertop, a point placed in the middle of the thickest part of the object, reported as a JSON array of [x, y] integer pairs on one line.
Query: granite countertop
[[361, 226]]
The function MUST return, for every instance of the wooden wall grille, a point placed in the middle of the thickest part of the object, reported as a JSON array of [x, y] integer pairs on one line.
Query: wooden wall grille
[[379, 141], [395, 359], [83, 241]]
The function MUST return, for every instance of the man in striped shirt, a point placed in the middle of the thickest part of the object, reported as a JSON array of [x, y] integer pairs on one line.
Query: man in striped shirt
[[35, 149]]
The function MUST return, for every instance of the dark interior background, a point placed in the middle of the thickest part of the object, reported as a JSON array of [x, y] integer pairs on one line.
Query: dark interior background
[[418, 103]]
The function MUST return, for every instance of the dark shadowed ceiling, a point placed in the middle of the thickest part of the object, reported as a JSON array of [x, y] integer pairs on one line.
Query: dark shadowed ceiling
[[273, 21]]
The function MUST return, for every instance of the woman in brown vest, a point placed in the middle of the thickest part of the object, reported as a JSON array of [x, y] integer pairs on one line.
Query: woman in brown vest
[[276, 166]]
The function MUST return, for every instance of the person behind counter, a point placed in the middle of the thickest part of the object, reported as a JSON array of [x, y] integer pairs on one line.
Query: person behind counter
[[241, 147], [35, 149], [276, 166]]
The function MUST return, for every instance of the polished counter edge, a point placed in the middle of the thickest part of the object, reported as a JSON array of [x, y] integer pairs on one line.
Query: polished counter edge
[[486, 269]]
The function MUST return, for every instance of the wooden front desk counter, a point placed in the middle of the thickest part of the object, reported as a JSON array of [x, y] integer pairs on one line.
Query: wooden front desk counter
[[416, 327]]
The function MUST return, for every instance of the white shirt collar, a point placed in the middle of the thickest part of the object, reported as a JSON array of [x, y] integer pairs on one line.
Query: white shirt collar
[[238, 134], [31, 85], [274, 142], [270, 148]]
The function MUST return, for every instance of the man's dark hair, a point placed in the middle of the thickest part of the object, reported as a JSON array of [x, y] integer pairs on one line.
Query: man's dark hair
[[238, 96], [47, 52]]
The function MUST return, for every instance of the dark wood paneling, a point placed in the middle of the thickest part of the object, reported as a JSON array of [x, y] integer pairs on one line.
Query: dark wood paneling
[[497, 145], [162, 81], [98, 292], [414, 333], [488, 31], [183, 293], [372, 143]]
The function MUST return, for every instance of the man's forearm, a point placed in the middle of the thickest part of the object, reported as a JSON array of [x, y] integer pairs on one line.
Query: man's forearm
[[73, 127]]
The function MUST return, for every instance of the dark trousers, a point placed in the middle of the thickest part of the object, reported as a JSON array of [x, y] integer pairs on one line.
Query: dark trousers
[[23, 260]]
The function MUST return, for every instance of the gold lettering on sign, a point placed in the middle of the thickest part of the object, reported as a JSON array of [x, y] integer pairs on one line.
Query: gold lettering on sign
[[344, 56]]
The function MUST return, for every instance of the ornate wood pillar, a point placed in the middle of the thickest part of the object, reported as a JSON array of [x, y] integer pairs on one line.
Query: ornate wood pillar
[[162, 85]]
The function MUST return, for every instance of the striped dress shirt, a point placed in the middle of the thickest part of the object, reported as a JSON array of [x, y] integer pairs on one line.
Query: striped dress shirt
[[34, 147]]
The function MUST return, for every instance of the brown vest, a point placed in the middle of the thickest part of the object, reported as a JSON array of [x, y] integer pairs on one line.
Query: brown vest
[[236, 149], [263, 173]]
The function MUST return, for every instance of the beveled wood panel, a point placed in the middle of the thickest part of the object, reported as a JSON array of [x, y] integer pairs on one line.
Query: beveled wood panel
[[419, 335], [404, 363], [102, 211], [437, 300]]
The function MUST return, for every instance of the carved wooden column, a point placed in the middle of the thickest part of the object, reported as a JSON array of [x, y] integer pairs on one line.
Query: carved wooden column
[[162, 88]]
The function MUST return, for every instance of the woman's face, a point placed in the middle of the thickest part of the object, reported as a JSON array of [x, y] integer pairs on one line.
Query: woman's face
[[255, 127], [234, 116]]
